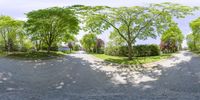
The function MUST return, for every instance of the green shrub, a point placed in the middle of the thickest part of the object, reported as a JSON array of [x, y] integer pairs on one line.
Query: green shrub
[[146, 50], [138, 51], [76, 47], [112, 50], [155, 50]]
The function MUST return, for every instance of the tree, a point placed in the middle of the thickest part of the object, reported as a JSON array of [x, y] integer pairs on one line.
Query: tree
[[76, 47], [9, 30], [136, 22], [51, 25], [190, 41], [195, 26], [172, 39], [70, 45], [116, 40], [99, 45], [89, 42]]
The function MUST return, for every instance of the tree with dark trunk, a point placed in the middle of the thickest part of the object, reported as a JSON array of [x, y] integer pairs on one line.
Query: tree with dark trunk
[[194, 25], [70, 45], [9, 29], [52, 24], [132, 23]]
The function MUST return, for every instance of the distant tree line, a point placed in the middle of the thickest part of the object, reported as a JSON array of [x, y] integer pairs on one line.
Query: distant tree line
[[193, 39], [46, 28]]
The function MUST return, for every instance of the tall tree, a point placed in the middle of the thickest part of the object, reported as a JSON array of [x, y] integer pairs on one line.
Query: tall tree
[[195, 26], [191, 43], [172, 38], [52, 24], [99, 45], [9, 30], [136, 22], [116, 40], [89, 42]]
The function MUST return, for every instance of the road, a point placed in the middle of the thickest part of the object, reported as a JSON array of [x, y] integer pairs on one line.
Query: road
[[82, 77]]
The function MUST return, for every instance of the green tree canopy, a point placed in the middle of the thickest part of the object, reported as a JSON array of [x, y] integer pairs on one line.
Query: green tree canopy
[[116, 40], [89, 42], [195, 26], [136, 22], [52, 24], [190, 41], [174, 35], [10, 29], [171, 40]]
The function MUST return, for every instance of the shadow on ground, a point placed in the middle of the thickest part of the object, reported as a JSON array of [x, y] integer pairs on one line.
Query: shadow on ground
[[73, 78]]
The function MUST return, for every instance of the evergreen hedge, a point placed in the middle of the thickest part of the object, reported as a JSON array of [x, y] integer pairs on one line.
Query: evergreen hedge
[[138, 51]]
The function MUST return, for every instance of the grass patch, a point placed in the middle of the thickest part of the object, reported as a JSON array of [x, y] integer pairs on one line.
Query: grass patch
[[136, 60], [196, 52], [66, 52], [36, 55], [2, 53]]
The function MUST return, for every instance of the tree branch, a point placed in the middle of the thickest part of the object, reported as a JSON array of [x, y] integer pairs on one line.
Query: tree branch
[[115, 28], [147, 23]]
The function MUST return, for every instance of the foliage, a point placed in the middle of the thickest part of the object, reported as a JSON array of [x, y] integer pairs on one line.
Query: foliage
[[136, 60], [192, 43], [34, 55], [89, 42], [193, 39], [51, 25], [26, 45], [172, 39], [76, 47], [10, 30], [139, 50], [146, 50], [112, 51], [70, 45], [99, 46], [2, 53], [116, 40], [136, 22], [66, 52], [45, 28]]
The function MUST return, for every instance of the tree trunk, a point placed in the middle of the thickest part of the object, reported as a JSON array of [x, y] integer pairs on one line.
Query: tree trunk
[[6, 46], [96, 49], [37, 46], [194, 42], [49, 49], [194, 45], [130, 50], [10, 45]]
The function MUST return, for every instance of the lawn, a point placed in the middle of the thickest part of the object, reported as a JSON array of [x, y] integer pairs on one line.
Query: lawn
[[2, 53], [136, 60], [196, 52], [37, 55]]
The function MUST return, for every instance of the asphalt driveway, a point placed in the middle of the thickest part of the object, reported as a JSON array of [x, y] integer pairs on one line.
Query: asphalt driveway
[[83, 77]]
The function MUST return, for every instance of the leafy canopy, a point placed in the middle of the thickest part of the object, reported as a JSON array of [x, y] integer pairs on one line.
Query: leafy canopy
[[193, 39], [10, 29], [173, 34], [137, 22], [89, 42], [52, 24]]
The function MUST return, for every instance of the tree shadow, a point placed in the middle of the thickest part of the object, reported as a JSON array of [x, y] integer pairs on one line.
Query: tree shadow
[[180, 81], [75, 78]]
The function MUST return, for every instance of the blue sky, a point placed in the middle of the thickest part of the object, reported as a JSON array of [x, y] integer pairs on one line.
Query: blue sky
[[17, 8]]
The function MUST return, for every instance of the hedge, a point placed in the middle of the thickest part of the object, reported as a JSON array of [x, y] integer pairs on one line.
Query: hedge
[[138, 51]]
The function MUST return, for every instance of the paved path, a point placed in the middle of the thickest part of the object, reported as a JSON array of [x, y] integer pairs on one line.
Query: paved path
[[83, 77]]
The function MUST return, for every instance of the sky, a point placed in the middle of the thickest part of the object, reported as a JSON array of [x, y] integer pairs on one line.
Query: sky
[[18, 8]]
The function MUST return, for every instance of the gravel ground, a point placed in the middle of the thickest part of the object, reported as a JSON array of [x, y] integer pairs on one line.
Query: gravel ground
[[83, 77]]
